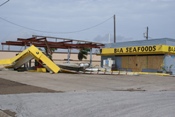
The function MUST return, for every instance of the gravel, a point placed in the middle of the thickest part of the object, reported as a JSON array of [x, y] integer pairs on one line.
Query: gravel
[[91, 104]]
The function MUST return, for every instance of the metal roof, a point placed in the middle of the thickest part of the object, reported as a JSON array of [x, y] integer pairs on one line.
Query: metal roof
[[165, 41]]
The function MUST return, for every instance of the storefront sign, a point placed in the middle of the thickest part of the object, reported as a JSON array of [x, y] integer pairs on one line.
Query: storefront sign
[[150, 49], [171, 49], [135, 49]]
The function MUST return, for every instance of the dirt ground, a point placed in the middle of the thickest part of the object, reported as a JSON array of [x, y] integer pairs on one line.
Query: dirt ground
[[12, 87], [37, 86], [62, 82]]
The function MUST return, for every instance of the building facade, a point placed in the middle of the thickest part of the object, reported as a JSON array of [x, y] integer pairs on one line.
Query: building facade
[[154, 55]]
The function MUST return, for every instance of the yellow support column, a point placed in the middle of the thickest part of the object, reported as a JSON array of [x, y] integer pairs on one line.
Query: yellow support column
[[38, 55]]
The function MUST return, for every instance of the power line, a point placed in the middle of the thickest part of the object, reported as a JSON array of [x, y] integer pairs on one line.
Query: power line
[[4, 3], [55, 32]]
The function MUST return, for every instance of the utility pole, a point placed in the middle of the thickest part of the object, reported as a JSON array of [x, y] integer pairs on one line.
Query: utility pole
[[109, 38], [114, 31], [146, 33]]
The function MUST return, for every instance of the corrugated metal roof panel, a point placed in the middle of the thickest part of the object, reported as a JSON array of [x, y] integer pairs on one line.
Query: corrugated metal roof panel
[[162, 41]]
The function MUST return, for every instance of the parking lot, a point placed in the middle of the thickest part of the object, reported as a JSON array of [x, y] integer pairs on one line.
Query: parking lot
[[32, 94], [90, 82]]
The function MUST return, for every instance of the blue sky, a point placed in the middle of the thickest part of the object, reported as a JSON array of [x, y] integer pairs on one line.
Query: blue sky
[[132, 18]]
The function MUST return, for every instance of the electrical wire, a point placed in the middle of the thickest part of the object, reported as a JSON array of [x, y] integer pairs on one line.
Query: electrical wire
[[55, 32], [4, 3]]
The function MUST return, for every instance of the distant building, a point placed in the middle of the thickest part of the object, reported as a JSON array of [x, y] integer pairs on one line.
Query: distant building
[[154, 55]]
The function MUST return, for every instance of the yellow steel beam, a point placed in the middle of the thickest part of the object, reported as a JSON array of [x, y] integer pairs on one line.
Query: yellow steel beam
[[38, 55], [22, 60], [12, 60], [5, 62], [25, 56], [19, 55]]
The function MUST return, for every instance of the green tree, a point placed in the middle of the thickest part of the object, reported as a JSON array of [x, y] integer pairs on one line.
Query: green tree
[[83, 53]]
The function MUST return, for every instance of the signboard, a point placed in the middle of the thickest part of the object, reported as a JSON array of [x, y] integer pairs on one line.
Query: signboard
[[137, 50]]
